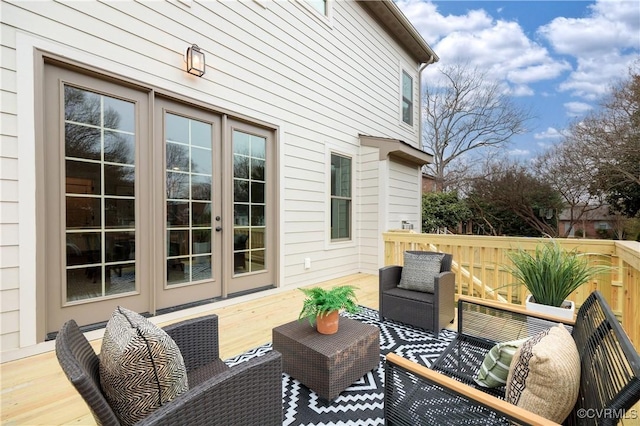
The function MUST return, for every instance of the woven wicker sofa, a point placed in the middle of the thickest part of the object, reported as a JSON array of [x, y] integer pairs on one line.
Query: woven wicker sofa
[[447, 393], [248, 394]]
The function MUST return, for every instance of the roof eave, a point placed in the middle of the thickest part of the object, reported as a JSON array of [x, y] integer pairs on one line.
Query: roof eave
[[397, 24]]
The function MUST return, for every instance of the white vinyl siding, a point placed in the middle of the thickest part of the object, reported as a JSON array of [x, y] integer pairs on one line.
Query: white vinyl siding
[[368, 223], [275, 64], [9, 190], [404, 181]]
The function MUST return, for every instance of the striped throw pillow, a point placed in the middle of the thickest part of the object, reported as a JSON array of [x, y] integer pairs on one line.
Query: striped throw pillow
[[495, 367]]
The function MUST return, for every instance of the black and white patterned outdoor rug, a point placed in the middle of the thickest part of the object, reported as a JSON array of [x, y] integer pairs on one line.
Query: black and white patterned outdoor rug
[[360, 404]]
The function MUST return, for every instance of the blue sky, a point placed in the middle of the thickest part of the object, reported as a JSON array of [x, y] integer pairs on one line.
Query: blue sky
[[556, 57]]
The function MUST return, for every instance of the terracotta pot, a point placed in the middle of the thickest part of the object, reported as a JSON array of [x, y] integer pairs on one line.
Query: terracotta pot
[[328, 323]]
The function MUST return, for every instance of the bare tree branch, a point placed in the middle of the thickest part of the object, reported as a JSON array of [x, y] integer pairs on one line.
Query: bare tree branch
[[467, 112]]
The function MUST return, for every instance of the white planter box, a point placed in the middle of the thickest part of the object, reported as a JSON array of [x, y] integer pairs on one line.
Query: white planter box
[[562, 312]]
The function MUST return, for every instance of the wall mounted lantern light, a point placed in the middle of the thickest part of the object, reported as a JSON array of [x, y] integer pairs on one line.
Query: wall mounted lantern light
[[195, 61]]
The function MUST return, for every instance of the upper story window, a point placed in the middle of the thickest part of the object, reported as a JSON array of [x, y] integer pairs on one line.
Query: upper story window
[[340, 197], [407, 98], [319, 5]]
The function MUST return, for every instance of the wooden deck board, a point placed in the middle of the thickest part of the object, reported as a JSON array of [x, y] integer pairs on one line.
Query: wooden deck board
[[35, 391]]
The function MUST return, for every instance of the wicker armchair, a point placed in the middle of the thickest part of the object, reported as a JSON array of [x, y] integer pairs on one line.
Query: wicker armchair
[[247, 394], [431, 311]]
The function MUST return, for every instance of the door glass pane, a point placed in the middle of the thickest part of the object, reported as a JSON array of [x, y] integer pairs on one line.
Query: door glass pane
[[83, 177], [201, 161], [119, 213], [99, 131], [119, 115], [249, 202], [201, 216], [201, 187], [189, 174], [177, 157], [119, 148], [81, 141], [177, 214], [83, 213], [119, 180], [201, 241], [177, 185]]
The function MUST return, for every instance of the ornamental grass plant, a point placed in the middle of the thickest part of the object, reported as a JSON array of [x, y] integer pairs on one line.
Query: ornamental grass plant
[[552, 273], [320, 301]]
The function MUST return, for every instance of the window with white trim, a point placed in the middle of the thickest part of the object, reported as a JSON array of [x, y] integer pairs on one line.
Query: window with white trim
[[341, 201], [407, 98], [319, 5]]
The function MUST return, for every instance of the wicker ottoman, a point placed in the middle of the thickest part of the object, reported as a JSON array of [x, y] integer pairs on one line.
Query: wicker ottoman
[[327, 364]]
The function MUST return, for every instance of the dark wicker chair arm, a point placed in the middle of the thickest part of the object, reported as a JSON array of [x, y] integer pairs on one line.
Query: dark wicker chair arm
[[197, 339], [416, 395], [80, 364], [250, 393], [389, 277]]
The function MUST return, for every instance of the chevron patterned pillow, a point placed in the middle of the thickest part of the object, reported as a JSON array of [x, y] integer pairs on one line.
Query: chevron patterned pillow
[[141, 367]]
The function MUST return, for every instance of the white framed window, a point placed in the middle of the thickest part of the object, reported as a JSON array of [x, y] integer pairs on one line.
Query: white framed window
[[320, 10], [407, 98], [341, 197], [319, 5]]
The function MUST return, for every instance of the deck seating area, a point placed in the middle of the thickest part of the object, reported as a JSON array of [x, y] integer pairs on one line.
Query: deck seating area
[[35, 390], [577, 370]]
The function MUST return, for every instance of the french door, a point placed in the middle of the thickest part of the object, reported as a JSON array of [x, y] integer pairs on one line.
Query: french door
[[93, 147], [188, 156], [148, 202], [251, 207]]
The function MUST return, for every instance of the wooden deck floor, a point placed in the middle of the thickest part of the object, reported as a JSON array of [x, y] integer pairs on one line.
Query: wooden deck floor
[[35, 391]]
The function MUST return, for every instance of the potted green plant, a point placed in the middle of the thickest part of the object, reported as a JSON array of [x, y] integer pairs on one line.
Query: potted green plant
[[551, 274], [323, 306]]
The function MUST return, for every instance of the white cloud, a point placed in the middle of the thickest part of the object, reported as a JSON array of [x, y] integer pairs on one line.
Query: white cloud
[[577, 58], [521, 90], [576, 109], [433, 26], [535, 73], [519, 152], [612, 25], [593, 76], [550, 133], [604, 44], [499, 46]]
